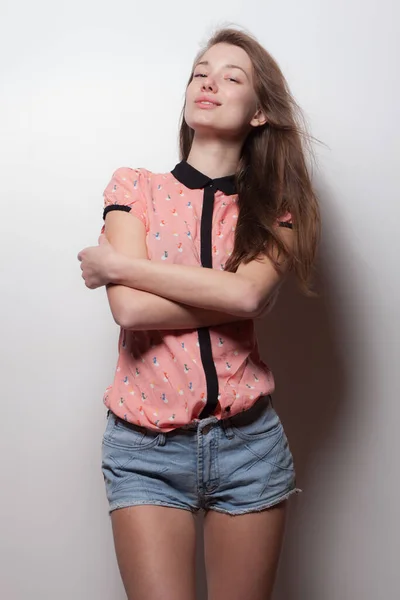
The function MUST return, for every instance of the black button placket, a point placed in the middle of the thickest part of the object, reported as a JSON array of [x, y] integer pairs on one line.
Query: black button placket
[[194, 179], [204, 332]]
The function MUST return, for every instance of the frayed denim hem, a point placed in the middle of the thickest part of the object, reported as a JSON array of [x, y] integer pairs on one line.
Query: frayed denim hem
[[258, 509], [128, 503]]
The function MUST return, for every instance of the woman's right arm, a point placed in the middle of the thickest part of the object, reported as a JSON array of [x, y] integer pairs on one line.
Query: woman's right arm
[[135, 309]]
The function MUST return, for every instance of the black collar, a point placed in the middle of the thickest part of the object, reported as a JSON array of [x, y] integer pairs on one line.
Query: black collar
[[194, 179]]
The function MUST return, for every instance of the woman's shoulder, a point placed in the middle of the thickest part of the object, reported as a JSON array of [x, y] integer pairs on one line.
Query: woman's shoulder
[[143, 171], [140, 175], [132, 172]]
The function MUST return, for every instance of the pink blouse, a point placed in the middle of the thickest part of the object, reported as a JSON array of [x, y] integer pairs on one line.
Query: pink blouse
[[168, 378]]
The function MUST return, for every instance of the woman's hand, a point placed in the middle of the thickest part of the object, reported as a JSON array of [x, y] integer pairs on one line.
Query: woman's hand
[[99, 263]]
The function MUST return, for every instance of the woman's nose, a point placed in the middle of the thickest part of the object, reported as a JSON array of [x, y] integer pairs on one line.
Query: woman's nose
[[209, 85]]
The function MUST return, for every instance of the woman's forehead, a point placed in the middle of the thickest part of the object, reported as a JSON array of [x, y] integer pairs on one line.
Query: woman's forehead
[[228, 54]]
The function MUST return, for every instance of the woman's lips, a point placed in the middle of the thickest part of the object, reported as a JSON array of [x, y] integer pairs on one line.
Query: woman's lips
[[206, 105]]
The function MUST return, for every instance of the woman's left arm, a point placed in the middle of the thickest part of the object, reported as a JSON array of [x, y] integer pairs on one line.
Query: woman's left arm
[[244, 293]]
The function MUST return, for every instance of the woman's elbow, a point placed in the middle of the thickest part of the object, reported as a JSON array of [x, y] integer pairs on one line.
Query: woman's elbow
[[120, 302], [118, 317], [124, 319], [250, 302], [121, 316]]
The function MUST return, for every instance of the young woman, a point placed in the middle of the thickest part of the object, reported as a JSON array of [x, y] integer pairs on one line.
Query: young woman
[[190, 259]]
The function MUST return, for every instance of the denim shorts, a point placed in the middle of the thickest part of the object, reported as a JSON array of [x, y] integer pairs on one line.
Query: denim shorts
[[236, 465]]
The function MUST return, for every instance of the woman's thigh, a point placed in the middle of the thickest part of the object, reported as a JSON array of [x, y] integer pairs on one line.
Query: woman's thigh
[[150, 483], [242, 553], [155, 549]]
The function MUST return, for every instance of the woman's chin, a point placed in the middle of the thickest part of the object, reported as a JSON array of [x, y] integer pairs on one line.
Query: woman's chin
[[207, 128]]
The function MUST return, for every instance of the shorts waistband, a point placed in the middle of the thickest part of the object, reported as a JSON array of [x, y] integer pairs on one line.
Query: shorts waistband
[[208, 422]]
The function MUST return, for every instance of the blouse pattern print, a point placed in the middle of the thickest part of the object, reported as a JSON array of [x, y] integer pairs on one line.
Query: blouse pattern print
[[160, 381]]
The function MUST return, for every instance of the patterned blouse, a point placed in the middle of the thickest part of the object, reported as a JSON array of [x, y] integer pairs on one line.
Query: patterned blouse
[[168, 378]]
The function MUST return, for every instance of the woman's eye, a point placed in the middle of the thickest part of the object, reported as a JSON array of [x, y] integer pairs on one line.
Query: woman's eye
[[205, 75]]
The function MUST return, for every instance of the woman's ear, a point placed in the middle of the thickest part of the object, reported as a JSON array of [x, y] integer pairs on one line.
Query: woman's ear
[[258, 119]]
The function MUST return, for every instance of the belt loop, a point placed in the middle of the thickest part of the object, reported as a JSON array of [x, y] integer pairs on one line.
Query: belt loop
[[162, 438], [226, 424]]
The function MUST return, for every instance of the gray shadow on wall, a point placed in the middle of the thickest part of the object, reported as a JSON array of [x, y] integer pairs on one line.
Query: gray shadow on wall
[[301, 341], [299, 344]]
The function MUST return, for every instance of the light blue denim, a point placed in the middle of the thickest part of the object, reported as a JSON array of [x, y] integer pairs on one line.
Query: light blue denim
[[238, 465]]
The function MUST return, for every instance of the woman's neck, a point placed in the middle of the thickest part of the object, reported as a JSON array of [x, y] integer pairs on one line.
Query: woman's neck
[[214, 158]]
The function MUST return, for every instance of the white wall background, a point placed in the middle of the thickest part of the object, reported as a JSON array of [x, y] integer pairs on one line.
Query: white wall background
[[89, 86]]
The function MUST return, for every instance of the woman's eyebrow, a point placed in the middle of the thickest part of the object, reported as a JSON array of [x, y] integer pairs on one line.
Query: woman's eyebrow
[[205, 62]]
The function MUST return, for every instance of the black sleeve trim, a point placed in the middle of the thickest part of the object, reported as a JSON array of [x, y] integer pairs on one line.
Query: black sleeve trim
[[115, 207], [285, 224]]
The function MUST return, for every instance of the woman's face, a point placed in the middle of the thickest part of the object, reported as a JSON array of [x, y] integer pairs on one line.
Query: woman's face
[[220, 98]]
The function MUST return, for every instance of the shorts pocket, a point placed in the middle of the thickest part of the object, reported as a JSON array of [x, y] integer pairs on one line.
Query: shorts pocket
[[258, 422], [122, 434]]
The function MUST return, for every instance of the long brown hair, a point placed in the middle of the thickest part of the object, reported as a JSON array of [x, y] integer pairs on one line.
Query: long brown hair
[[272, 176]]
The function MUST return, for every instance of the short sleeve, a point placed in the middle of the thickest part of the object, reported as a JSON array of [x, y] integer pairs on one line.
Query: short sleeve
[[285, 220], [126, 191]]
